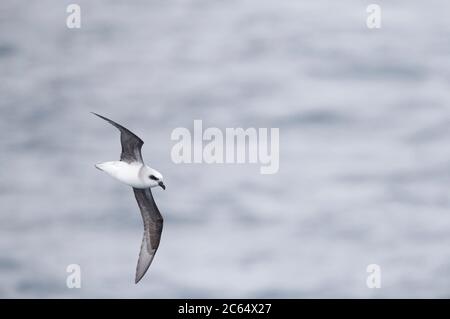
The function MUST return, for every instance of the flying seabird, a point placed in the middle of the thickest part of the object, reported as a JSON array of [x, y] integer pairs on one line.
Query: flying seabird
[[132, 171]]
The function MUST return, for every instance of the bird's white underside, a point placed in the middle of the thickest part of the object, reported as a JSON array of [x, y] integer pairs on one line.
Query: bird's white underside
[[127, 173]]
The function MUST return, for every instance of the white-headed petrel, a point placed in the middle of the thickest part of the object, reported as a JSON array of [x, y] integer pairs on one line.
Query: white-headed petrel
[[132, 171]]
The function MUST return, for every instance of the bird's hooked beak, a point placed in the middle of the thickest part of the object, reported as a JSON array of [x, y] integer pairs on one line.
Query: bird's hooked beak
[[162, 185]]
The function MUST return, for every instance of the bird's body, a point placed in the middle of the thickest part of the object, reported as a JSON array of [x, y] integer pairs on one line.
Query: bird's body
[[133, 174], [132, 171]]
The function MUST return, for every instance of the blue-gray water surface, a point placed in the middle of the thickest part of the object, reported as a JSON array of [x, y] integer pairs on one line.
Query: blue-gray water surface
[[364, 118]]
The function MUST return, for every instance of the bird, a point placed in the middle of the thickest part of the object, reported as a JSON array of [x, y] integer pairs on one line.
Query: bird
[[131, 170]]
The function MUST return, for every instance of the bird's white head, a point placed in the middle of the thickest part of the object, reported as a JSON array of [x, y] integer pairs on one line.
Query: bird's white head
[[152, 177]]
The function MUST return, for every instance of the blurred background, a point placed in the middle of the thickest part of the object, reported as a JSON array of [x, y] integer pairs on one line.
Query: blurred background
[[364, 118]]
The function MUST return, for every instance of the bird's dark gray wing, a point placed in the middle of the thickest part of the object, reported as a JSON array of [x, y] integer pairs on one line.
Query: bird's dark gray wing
[[131, 144], [153, 224]]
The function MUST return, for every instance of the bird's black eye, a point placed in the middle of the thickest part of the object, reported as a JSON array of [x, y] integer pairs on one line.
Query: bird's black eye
[[153, 177]]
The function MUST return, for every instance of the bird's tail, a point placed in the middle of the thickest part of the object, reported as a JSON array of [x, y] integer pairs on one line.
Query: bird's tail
[[100, 166]]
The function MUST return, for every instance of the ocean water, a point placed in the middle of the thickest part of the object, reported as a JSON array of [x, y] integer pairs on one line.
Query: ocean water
[[364, 119]]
